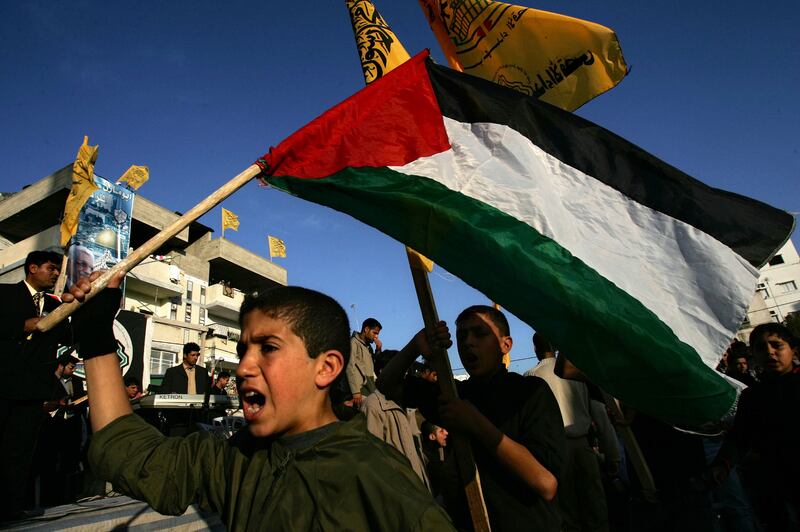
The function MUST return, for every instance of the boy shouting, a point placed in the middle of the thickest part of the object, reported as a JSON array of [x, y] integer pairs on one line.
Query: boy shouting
[[296, 467], [513, 422]]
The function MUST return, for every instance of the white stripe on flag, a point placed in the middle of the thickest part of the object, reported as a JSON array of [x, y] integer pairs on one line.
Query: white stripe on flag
[[695, 284]]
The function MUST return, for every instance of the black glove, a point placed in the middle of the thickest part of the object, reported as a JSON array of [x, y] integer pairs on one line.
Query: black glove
[[93, 324]]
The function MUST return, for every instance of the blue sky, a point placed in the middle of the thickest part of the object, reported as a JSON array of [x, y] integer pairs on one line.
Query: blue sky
[[198, 90]]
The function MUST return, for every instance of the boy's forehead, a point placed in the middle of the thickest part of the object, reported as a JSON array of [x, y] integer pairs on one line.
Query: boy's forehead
[[476, 320], [258, 323], [765, 337]]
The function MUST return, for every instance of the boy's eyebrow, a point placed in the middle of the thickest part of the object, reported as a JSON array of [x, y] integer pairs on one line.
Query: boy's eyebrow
[[261, 338]]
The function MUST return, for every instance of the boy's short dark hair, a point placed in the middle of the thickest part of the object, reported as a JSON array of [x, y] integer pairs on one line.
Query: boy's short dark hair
[[371, 323], [42, 257], [63, 360], [739, 350], [779, 330], [426, 429], [224, 374], [132, 380], [494, 315], [191, 347], [316, 318]]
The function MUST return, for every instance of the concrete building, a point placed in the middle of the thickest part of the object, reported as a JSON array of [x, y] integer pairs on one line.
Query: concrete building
[[777, 293], [191, 288]]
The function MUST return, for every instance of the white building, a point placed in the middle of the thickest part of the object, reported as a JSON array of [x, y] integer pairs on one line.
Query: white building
[[777, 291]]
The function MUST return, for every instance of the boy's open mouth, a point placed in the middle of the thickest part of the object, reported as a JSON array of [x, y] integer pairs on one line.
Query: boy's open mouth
[[253, 401]]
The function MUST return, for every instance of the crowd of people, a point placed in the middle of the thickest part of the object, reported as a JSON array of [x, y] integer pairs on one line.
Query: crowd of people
[[344, 434]]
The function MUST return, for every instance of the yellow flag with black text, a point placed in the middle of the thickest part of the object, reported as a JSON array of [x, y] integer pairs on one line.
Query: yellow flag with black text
[[561, 60], [380, 51], [83, 186], [378, 47], [229, 220], [277, 248]]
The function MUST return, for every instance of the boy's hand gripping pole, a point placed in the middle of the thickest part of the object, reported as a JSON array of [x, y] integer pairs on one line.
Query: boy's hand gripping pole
[[440, 362]]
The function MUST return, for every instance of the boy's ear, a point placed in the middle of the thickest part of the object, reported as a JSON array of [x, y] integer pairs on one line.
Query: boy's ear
[[329, 365], [505, 344]]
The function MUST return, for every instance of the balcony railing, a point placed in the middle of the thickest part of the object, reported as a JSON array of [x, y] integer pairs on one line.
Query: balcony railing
[[223, 301]]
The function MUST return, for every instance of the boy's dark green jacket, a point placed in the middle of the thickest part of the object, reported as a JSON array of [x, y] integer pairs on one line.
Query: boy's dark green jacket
[[349, 480]]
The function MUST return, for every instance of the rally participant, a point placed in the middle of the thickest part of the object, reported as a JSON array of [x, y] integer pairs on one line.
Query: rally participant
[[513, 421], [767, 422], [295, 467]]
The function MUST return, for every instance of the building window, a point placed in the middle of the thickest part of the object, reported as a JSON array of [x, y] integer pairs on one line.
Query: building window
[[762, 289], [188, 315], [189, 289], [777, 259], [161, 360], [173, 311], [788, 286], [202, 295], [774, 316], [202, 316], [186, 336]]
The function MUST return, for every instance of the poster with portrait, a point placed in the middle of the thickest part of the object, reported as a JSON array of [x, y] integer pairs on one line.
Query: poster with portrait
[[104, 231]]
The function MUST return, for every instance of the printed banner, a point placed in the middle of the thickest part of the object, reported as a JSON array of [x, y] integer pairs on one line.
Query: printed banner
[[104, 231]]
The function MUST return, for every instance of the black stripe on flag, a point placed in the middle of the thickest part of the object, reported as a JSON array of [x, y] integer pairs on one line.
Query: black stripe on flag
[[751, 228]]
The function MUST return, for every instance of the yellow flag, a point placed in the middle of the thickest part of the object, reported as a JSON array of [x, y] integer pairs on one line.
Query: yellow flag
[[380, 51], [83, 186], [561, 60], [378, 48], [135, 176], [229, 220], [276, 247]]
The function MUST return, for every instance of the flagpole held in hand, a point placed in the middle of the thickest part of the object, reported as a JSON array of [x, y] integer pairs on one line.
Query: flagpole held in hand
[[141, 253], [440, 362]]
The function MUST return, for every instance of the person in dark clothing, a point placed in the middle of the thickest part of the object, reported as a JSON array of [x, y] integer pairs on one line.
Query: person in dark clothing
[[186, 377], [767, 425], [34, 356], [221, 384], [739, 364], [513, 421], [60, 448], [439, 459]]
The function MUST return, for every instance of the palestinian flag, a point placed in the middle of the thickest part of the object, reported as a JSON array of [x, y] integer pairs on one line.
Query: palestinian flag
[[639, 273]]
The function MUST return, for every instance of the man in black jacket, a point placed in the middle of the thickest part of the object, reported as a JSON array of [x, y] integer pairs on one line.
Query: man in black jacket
[[33, 356], [186, 377], [176, 379]]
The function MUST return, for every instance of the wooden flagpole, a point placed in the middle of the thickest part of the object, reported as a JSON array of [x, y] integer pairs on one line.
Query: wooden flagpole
[[365, 19], [141, 253], [62, 276], [635, 454], [440, 362]]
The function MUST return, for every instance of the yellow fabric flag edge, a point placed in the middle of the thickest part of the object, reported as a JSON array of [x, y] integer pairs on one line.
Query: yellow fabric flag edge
[[83, 186]]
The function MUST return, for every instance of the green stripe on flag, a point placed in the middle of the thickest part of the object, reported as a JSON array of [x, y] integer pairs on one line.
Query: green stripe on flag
[[626, 348]]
